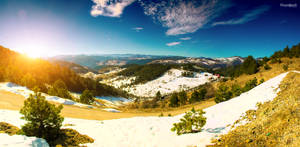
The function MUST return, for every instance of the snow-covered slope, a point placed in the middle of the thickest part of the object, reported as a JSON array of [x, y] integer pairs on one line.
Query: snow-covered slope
[[171, 81], [155, 131], [21, 141], [14, 88]]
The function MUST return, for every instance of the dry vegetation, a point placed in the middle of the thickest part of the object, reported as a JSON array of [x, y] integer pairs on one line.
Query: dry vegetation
[[274, 123], [276, 69], [8, 128]]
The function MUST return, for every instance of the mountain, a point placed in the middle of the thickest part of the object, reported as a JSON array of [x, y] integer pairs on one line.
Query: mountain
[[73, 66], [206, 62], [25, 71], [99, 61]]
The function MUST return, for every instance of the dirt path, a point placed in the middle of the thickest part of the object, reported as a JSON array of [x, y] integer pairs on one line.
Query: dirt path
[[13, 101]]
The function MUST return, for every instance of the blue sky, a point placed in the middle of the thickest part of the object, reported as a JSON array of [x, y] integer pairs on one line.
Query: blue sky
[[209, 28]]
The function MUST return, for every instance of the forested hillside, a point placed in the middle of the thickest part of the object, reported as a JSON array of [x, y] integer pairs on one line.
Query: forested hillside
[[29, 72], [251, 65]]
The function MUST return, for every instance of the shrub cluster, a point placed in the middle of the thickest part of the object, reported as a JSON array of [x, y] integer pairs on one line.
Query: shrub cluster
[[191, 122], [224, 93], [198, 96], [60, 89], [87, 97]]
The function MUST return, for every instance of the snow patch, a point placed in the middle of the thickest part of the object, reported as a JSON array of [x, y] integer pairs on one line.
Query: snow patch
[[21, 141], [170, 82]]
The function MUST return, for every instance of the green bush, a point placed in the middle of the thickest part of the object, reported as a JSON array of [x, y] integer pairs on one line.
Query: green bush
[[59, 89], [191, 122], [182, 97], [285, 67], [223, 94], [187, 74], [174, 100], [236, 90], [87, 97], [43, 119], [267, 67], [28, 81], [198, 96], [250, 84], [261, 81]]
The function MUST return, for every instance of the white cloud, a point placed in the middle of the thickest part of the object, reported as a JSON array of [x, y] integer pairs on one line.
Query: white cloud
[[109, 8], [253, 14], [185, 38], [173, 43], [182, 17], [138, 29]]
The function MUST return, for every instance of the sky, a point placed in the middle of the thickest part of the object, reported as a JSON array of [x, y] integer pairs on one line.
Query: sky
[[195, 28]]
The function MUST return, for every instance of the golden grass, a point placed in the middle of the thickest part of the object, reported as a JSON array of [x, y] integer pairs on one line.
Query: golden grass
[[274, 123], [13, 101], [277, 68]]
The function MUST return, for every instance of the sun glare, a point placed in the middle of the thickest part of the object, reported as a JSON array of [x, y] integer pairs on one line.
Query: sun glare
[[34, 53]]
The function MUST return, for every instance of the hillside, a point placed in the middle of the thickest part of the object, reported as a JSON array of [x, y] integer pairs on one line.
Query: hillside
[[171, 81], [274, 123], [30, 72], [75, 67]]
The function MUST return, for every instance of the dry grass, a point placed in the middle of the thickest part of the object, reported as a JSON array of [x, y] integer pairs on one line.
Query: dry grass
[[277, 68], [13, 101], [8, 128], [274, 123]]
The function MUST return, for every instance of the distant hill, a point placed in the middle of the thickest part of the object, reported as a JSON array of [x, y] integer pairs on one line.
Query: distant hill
[[73, 66], [97, 62]]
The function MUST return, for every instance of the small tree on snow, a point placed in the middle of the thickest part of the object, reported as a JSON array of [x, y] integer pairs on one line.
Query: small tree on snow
[[43, 119], [87, 97], [191, 122]]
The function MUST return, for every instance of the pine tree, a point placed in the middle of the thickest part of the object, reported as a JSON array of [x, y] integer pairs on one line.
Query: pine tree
[[191, 122], [59, 89], [174, 101], [87, 97], [223, 94], [250, 65], [182, 97], [43, 119]]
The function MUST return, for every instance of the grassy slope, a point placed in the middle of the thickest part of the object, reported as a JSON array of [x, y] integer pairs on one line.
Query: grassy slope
[[13, 101], [274, 123], [294, 64]]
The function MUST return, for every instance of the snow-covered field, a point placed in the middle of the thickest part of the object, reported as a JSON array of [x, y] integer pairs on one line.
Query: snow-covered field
[[11, 87], [21, 141], [171, 81], [155, 131]]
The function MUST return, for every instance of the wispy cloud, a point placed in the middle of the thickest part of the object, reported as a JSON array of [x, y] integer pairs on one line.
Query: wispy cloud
[[109, 8], [138, 29], [253, 14], [173, 43], [182, 17], [185, 38]]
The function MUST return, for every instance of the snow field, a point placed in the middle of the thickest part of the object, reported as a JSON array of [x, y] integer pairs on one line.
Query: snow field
[[170, 82]]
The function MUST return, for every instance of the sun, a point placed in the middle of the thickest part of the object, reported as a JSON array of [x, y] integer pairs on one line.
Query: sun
[[34, 53]]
